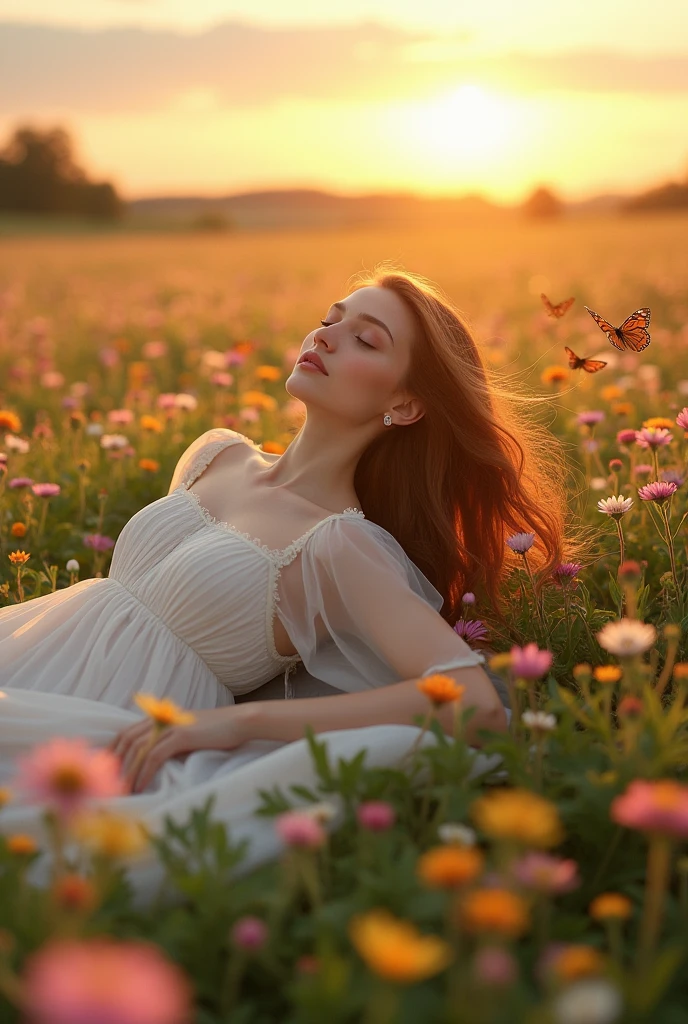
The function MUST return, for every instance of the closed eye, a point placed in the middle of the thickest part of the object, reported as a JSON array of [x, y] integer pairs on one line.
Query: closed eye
[[367, 344]]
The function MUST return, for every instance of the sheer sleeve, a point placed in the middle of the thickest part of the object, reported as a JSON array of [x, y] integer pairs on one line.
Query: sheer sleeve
[[192, 461], [361, 614]]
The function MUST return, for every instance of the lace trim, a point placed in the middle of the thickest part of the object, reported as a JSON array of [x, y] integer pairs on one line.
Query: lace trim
[[465, 661]]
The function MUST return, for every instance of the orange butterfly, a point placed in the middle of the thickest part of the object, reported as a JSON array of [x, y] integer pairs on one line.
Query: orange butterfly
[[632, 336], [582, 363], [560, 307]]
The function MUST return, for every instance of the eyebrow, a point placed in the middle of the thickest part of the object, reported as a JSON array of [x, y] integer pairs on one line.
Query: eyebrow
[[366, 316]]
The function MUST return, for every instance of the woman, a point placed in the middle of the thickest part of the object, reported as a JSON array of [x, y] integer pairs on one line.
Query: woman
[[348, 553]]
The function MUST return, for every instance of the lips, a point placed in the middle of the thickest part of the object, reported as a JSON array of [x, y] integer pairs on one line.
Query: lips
[[313, 357]]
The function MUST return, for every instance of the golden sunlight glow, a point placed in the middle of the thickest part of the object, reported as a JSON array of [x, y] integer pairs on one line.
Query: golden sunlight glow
[[468, 122]]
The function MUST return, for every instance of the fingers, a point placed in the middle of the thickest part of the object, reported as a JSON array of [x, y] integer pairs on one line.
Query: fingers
[[152, 760], [122, 741]]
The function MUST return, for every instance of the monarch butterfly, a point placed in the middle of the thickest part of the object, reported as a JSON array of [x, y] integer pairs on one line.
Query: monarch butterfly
[[633, 335], [556, 310], [582, 363]]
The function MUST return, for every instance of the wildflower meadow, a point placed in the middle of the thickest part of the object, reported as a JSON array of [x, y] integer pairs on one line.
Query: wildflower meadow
[[545, 883]]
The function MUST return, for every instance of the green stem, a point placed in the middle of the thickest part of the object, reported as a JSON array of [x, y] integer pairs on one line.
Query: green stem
[[658, 863]]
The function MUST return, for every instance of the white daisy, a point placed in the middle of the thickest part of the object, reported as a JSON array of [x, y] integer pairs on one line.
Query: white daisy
[[627, 637], [615, 506]]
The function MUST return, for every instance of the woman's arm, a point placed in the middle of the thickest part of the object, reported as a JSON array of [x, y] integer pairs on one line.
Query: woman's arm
[[395, 704]]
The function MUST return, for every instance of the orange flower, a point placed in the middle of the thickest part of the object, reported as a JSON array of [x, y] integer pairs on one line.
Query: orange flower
[[497, 911], [659, 421], [518, 815], [578, 961], [111, 835], [5, 796], [610, 392], [21, 845], [445, 867], [18, 530], [552, 374], [163, 712], [149, 465], [151, 423], [680, 670], [622, 408], [74, 892], [607, 673], [395, 950], [10, 421], [18, 557], [76, 419], [259, 398], [244, 347], [123, 345], [273, 447], [272, 373], [610, 904], [440, 689]]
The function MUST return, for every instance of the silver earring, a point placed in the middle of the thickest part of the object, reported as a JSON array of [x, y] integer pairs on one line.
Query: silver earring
[[387, 420]]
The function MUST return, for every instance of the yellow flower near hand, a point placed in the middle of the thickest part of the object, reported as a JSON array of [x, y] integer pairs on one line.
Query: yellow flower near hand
[[111, 835], [395, 950], [163, 712], [518, 814]]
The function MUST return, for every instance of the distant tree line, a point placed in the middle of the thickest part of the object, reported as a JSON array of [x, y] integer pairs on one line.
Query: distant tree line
[[38, 174], [672, 196]]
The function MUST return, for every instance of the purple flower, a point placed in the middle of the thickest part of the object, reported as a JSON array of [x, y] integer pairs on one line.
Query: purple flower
[[521, 542], [529, 662], [493, 965], [682, 418], [46, 490], [653, 437], [20, 481], [625, 436], [589, 419], [468, 598], [565, 572], [673, 476], [249, 933], [470, 629], [98, 542], [659, 491]]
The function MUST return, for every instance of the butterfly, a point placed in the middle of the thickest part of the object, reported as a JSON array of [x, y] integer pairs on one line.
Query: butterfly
[[582, 363], [632, 336], [560, 307]]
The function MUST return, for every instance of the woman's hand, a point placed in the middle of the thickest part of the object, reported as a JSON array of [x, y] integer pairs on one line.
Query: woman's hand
[[144, 747]]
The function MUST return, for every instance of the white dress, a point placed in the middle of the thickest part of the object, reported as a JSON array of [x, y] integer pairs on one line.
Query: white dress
[[186, 613]]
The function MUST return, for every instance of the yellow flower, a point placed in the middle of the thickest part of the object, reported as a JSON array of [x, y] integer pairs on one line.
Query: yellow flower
[[18, 557], [578, 962], [552, 374], [519, 815], [260, 399], [273, 447], [610, 904], [5, 796], [163, 712], [10, 421], [499, 662], [112, 835], [659, 421], [607, 673], [268, 373], [18, 529], [445, 867], [149, 465], [611, 392], [498, 911], [582, 671], [440, 689], [151, 423], [395, 950], [21, 845]]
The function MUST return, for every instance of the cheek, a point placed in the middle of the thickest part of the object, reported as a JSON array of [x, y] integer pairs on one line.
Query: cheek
[[370, 376]]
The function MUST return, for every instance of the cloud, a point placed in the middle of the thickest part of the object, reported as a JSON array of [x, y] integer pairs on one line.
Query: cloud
[[120, 70]]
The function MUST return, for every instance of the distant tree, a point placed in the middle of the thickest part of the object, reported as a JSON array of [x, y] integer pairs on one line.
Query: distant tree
[[672, 196], [38, 174], [542, 202]]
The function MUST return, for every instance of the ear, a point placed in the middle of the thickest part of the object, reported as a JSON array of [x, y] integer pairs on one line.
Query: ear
[[408, 412]]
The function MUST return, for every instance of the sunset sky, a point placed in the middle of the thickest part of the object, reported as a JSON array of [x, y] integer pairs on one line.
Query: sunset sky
[[437, 97]]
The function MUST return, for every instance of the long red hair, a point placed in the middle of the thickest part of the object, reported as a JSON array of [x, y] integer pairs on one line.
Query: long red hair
[[475, 469]]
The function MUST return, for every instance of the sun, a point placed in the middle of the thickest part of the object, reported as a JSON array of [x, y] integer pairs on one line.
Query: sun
[[468, 123]]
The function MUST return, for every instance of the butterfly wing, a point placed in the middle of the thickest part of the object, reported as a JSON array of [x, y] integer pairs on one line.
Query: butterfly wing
[[592, 365], [605, 326], [574, 360], [634, 330], [559, 309]]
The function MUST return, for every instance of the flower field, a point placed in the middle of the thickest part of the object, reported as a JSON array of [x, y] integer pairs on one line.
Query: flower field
[[550, 887]]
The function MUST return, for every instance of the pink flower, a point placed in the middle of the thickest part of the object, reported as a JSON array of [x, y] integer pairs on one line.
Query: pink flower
[[98, 542], [221, 379], [660, 806], [566, 571], [98, 980], [589, 419], [249, 933], [120, 417], [166, 400], [682, 418], [46, 490], [376, 815], [233, 358], [529, 662], [494, 966], [470, 629], [65, 773], [643, 469], [544, 873], [298, 829], [659, 491], [468, 598], [20, 481], [521, 542], [626, 436], [653, 437]]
